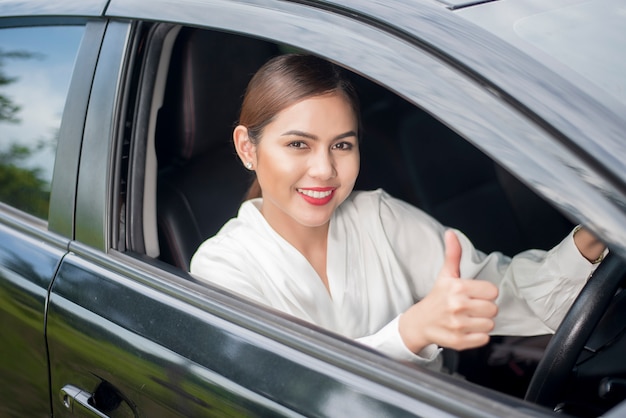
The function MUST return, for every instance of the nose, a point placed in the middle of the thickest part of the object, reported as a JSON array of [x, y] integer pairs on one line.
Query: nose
[[322, 165]]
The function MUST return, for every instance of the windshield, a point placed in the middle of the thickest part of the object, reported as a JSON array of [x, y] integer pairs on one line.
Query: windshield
[[587, 37]]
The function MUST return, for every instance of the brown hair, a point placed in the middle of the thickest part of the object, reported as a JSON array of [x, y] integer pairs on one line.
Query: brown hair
[[284, 81]]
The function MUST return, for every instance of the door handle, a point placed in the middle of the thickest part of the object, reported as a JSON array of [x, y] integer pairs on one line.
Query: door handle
[[78, 402]]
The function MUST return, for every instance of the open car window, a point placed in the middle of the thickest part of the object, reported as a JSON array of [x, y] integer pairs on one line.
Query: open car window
[[195, 182]]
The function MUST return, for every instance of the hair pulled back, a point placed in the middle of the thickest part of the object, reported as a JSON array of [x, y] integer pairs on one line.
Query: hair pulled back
[[284, 81]]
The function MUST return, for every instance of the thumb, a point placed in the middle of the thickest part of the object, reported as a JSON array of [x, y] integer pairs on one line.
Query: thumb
[[452, 258]]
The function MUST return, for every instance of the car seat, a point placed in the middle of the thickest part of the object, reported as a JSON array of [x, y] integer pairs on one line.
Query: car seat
[[463, 188], [201, 181]]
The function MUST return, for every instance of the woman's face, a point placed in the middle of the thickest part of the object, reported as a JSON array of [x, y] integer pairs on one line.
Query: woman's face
[[307, 161]]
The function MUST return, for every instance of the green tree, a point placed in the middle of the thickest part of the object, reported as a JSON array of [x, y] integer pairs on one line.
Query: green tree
[[24, 188], [21, 187], [8, 109]]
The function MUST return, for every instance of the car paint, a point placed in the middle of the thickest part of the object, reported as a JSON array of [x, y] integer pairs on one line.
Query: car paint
[[28, 261], [172, 347]]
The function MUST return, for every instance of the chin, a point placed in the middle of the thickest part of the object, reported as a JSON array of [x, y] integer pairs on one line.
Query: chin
[[315, 222]]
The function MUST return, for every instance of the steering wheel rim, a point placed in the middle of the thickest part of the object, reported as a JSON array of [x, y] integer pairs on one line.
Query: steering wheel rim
[[568, 341]]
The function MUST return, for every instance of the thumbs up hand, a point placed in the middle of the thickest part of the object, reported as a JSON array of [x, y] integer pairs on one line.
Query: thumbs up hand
[[456, 314]]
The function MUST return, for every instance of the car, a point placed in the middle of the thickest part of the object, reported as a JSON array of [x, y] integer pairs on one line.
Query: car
[[505, 119]]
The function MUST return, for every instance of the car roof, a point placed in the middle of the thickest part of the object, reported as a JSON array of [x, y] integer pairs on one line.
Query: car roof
[[583, 41], [17, 8]]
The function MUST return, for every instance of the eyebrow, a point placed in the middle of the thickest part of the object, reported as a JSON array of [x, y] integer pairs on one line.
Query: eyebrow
[[314, 137]]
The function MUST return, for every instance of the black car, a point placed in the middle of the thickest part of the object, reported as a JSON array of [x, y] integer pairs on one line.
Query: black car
[[116, 162]]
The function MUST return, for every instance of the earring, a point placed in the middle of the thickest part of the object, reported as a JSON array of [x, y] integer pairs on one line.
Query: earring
[[249, 165]]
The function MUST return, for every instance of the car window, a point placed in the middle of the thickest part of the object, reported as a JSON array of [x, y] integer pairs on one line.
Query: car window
[[35, 69], [403, 151]]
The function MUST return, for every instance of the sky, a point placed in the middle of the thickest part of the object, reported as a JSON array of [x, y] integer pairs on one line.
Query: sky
[[41, 86]]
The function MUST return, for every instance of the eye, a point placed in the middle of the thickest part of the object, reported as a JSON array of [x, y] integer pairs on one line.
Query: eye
[[344, 146], [297, 145]]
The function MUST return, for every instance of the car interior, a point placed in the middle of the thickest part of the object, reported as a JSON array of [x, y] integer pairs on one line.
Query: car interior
[[200, 181]]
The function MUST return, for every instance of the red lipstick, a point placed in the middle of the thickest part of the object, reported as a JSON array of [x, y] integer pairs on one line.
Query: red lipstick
[[317, 196]]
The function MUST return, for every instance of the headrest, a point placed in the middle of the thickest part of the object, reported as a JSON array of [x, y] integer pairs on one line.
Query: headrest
[[208, 75]]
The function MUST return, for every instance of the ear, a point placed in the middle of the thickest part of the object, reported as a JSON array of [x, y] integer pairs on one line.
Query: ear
[[245, 149]]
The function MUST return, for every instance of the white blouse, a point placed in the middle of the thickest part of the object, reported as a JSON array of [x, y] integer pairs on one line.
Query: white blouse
[[383, 256]]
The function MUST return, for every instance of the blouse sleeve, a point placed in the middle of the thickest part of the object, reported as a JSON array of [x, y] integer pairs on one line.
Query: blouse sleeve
[[536, 288], [389, 341]]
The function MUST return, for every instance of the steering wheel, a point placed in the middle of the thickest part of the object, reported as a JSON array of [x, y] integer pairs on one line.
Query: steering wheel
[[567, 343]]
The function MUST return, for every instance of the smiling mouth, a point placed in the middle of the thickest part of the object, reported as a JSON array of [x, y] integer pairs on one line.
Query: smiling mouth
[[316, 194]]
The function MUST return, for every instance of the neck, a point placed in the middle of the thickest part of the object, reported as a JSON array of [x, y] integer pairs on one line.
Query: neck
[[302, 237], [305, 239], [311, 242]]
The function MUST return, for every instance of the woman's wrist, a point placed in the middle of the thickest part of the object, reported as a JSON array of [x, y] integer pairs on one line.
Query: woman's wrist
[[588, 245], [410, 334]]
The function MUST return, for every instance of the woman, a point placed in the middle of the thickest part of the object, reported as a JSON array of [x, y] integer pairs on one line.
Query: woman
[[364, 264]]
